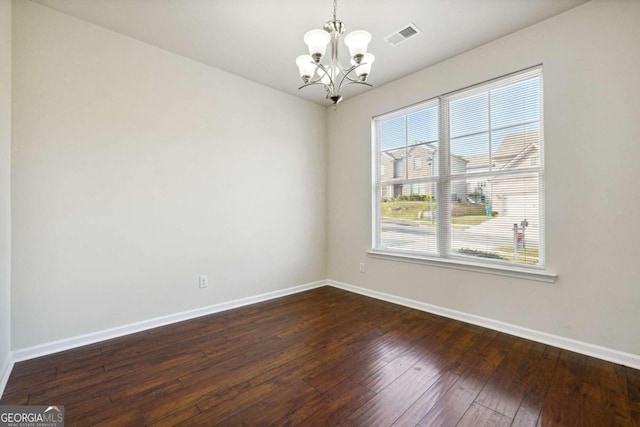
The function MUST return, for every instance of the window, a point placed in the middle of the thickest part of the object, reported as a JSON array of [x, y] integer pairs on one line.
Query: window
[[419, 189], [397, 168], [417, 163], [479, 197]]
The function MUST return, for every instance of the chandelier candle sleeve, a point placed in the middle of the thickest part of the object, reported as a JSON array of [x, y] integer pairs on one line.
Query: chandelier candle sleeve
[[332, 75]]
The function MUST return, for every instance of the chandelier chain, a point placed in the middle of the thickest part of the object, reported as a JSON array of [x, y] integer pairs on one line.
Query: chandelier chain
[[335, 6]]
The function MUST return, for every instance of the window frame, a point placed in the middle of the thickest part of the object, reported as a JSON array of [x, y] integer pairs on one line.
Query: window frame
[[444, 179]]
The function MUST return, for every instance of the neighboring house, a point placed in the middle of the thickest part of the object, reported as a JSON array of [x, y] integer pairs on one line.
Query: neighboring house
[[509, 196], [416, 161]]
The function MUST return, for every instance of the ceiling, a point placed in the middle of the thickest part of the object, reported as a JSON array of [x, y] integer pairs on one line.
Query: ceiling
[[260, 39]]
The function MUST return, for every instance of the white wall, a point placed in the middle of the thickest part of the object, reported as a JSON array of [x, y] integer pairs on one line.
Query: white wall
[[592, 132], [5, 185], [135, 170]]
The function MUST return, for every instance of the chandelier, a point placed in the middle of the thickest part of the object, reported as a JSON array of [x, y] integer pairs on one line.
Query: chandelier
[[333, 76]]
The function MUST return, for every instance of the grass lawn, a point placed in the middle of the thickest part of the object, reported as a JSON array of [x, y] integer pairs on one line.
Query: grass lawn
[[525, 256], [411, 210], [407, 210], [469, 219], [530, 252]]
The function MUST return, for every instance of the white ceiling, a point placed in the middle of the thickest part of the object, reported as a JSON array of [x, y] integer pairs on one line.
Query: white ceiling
[[260, 39]]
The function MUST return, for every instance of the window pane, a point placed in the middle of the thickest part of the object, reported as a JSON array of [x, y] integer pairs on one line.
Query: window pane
[[422, 126], [393, 164], [482, 226], [470, 154], [408, 217], [469, 115], [393, 133], [417, 163], [421, 159], [398, 168], [516, 147], [515, 103]]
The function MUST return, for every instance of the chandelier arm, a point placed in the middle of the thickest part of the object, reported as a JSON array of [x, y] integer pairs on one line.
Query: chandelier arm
[[325, 70], [346, 76], [317, 82], [355, 82], [327, 74]]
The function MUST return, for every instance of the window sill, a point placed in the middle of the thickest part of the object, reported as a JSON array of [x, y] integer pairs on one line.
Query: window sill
[[519, 273]]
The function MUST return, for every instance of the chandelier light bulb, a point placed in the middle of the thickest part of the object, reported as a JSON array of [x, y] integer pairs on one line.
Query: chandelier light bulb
[[306, 66], [363, 70], [357, 42], [317, 41]]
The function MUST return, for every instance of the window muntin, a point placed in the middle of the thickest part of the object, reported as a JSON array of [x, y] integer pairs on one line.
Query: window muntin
[[490, 179]]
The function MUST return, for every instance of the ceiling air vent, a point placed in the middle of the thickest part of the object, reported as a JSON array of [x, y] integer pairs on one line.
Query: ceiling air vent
[[402, 35]]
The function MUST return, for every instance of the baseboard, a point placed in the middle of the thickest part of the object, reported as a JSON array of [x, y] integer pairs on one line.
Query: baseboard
[[615, 356], [6, 372], [94, 337]]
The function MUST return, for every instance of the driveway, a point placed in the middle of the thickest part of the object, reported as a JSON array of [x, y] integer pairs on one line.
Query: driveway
[[493, 233]]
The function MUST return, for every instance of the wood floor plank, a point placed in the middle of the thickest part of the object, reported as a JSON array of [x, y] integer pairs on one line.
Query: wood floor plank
[[274, 406], [480, 416], [177, 417], [564, 403], [451, 408], [538, 386], [332, 409], [402, 352], [395, 399], [426, 401], [633, 389], [77, 406], [505, 389], [114, 416], [605, 396], [220, 406], [327, 357]]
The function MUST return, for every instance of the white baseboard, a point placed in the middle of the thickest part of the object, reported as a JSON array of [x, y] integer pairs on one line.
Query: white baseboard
[[6, 372], [94, 337], [615, 356]]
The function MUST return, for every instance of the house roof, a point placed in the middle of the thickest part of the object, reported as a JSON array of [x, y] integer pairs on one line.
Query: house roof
[[477, 161], [512, 146], [516, 143], [398, 153]]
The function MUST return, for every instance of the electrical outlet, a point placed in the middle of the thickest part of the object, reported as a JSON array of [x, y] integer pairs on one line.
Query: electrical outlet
[[362, 267], [203, 281]]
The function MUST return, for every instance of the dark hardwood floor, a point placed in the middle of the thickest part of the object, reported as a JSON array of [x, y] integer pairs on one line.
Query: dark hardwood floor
[[327, 357]]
